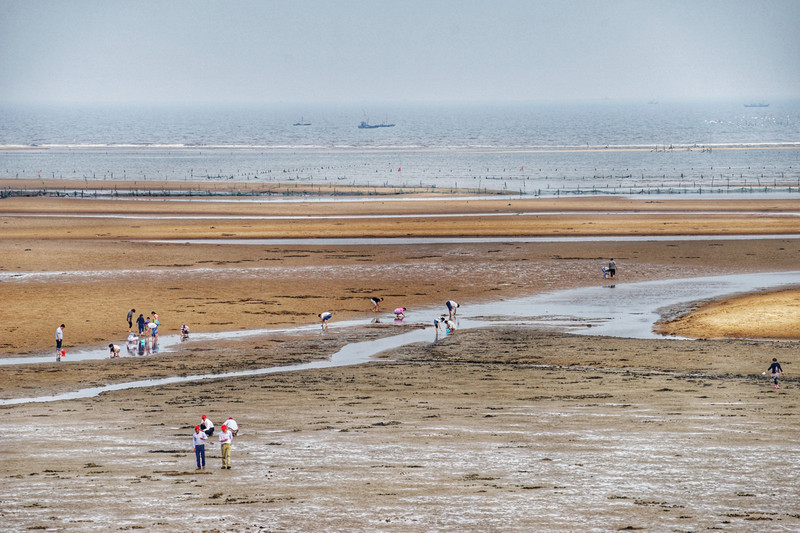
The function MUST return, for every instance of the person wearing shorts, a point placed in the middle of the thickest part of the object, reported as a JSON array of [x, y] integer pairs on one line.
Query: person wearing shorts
[[775, 370], [325, 317], [59, 340], [452, 307]]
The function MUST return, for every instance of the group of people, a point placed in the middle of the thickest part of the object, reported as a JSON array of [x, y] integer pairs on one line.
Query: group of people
[[202, 432], [611, 270]]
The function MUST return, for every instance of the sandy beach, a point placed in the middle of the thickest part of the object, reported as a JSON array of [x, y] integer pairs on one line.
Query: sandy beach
[[513, 429]]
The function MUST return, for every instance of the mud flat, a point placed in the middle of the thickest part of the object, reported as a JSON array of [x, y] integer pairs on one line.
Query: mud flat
[[493, 429]]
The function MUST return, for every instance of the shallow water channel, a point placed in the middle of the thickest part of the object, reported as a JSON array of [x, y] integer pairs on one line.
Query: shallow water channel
[[625, 310]]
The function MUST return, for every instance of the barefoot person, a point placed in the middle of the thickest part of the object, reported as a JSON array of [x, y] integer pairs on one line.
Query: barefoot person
[[325, 317], [376, 303], [113, 350], [400, 313], [225, 440], [59, 341], [199, 447], [452, 307], [130, 317], [775, 370]]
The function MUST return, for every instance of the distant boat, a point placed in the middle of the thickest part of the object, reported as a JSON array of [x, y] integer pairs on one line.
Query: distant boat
[[756, 105], [301, 123], [367, 126]]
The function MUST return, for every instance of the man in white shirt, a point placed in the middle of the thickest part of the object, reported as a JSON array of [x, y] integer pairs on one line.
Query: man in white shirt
[[233, 427], [59, 340], [207, 425], [225, 440], [199, 447]]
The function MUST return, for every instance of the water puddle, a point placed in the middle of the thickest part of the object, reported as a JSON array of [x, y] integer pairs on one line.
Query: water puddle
[[626, 310]]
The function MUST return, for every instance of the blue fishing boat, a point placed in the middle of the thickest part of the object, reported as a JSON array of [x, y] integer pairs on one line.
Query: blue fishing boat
[[365, 125]]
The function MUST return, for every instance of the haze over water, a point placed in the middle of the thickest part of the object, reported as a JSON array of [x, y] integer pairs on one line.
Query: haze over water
[[603, 147]]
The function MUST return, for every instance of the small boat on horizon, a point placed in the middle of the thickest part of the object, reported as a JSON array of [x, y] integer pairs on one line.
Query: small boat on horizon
[[302, 122], [756, 105], [365, 125]]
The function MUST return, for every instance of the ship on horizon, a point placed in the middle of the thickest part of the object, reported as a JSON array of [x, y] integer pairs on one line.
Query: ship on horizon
[[756, 105], [367, 126]]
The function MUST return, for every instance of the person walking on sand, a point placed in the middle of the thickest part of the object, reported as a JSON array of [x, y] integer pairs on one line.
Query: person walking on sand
[[207, 425], [199, 447], [130, 317], [376, 303], [59, 341], [225, 440], [325, 317], [452, 307], [140, 323], [775, 370], [612, 268]]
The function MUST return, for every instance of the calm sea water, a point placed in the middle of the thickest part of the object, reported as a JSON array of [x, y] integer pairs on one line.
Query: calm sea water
[[600, 148]]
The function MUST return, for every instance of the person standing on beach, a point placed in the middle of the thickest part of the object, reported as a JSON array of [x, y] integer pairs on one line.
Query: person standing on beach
[[612, 268], [130, 317], [452, 307], [59, 341], [325, 317], [140, 323], [225, 440], [775, 370], [376, 303], [199, 447]]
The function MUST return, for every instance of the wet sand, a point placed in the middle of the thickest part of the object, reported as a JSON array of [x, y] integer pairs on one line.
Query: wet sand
[[497, 429]]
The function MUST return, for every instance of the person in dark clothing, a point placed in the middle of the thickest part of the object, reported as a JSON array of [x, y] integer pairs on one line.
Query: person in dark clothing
[[775, 370]]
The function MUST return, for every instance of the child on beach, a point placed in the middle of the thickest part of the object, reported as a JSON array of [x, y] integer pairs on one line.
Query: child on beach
[[114, 350], [399, 313], [775, 370], [376, 303], [325, 317]]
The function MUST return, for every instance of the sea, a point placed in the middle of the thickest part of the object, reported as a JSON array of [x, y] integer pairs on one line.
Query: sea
[[539, 149]]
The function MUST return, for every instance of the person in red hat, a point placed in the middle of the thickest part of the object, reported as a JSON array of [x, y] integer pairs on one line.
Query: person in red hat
[[232, 425], [225, 440], [207, 425], [199, 447]]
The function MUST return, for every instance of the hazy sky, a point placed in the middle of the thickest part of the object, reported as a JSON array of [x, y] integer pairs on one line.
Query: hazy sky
[[396, 51]]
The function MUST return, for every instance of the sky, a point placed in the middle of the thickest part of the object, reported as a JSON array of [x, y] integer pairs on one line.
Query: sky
[[426, 51]]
